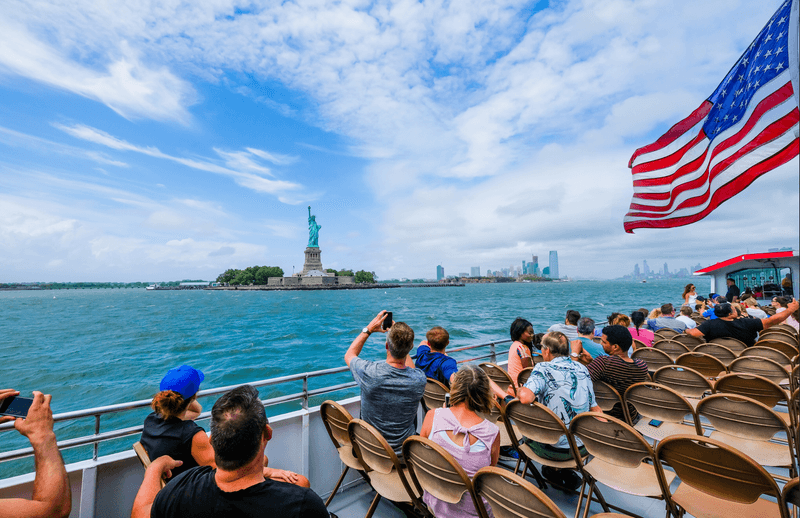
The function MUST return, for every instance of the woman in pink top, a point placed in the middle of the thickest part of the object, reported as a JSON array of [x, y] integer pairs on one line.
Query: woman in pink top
[[519, 354], [472, 440], [638, 332]]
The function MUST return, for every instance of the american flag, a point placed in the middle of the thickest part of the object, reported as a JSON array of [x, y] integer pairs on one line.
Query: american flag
[[747, 127]]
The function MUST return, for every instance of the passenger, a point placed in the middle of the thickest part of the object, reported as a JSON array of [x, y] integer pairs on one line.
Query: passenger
[[617, 368], [51, 492], [564, 387], [667, 319], [390, 389], [170, 429], [570, 325], [621, 320], [638, 332], [432, 359], [689, 295], [519, 354], [686, 317], [584, 348], [786, 284], [237, 487], [744, 329], [472, 440], [715, 301], [733, 290], [656, 313], [781, 304]]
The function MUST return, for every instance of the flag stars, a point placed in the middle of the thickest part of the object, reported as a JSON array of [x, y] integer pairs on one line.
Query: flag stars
[[768, 54], [779, 66], [768, 38], [778, 50], [734, 118], [782, 20], [767, 67]]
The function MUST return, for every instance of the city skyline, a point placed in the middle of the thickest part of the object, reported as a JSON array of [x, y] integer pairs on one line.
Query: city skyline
[[181, 140]]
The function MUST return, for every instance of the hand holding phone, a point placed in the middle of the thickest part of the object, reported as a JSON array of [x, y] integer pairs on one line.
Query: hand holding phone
[[387, 321], [15, 406]]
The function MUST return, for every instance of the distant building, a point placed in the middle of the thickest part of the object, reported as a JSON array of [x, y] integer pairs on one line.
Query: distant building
[[666, 270], [463, 274], [535, 263], [546, 271], [554, 264], [488, 273], [636, 271], [439, 272], [645, 268], [475, 271]]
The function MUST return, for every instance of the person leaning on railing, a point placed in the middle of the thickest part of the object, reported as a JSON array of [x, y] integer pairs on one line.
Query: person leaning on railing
[[51, 495]]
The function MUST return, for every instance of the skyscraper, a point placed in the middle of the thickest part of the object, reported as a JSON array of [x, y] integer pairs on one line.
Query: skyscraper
[[535, 265], [645, 268], [636, 271], [554, 264], [475, 271], [666, 270], [439, 272]]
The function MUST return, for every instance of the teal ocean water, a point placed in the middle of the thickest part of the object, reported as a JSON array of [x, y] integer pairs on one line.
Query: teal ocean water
[[91, 348]]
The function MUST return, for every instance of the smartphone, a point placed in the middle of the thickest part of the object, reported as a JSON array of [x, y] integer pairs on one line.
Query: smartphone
[[387, 322], [16, 406], [656, 423], [447, 400]]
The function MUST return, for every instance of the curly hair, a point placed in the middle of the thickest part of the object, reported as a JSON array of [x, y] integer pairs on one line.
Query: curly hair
[[169, 404]]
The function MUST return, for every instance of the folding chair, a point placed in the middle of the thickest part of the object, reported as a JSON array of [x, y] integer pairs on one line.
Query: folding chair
[[685, 381], [705, 364], [671, 347], [666, 332], [790, 350], [607, 397], [757, 387], [434, 395], [765, 367], [144, 458], [433, 469], [767, 352], [621, 459], [716, 480], [523, 376], [498, 375], [511, 496], [733, 344], [720, 352], [386, 475], [689, 341], [791, 496], [538, 423], [336, 419], [750, 427], [654, 358], [654, 401]]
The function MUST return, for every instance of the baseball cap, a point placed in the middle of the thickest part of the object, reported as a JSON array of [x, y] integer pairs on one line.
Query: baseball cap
[[184, 380]]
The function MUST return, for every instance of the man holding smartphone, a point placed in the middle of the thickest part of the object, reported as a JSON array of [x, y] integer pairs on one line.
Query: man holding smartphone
[[51, 494]]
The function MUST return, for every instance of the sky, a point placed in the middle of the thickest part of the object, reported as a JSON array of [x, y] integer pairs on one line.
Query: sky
[[154, 141]]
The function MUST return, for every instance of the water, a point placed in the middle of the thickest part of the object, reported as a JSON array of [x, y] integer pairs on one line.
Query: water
[[99, 347]]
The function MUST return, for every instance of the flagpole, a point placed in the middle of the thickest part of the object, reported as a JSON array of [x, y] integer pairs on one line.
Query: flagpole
[[794, 55]]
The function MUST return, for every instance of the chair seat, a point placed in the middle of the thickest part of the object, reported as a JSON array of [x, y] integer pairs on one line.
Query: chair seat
[[347, 457], [698, 503], [389, 485], [639, 481], [663, 431], [568, 464], [763, 452]]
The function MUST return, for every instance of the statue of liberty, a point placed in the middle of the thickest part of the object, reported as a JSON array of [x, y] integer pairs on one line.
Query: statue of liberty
[[313, 230]]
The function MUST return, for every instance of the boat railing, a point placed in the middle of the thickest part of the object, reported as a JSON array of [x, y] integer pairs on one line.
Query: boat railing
[[303, 396]]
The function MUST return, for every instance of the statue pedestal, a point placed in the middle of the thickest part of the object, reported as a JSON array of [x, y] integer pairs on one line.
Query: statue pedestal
[[313, 261]]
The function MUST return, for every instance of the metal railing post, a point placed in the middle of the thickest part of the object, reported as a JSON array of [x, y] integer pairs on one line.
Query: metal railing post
[[305, 392], [493, 352], [96, 445]]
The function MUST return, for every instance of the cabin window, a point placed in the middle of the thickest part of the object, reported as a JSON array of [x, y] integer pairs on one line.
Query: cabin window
[[764, 283]]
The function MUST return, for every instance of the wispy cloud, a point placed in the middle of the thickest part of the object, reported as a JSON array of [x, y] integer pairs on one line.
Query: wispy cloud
[[41, 145]]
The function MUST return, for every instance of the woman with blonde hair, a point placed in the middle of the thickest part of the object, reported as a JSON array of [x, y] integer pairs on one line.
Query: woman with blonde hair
[[654, 314], [472, 440]]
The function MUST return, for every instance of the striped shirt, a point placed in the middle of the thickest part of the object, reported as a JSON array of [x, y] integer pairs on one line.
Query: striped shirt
[[619, 374]]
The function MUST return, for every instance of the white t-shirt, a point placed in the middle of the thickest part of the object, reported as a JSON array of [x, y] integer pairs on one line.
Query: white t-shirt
[[690, 324]]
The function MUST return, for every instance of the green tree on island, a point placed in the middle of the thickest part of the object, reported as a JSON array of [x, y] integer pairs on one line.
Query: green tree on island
[[362, 277], [256, 275]]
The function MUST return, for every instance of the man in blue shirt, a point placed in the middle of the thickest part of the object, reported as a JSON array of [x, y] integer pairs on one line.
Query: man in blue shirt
[[432, 359]]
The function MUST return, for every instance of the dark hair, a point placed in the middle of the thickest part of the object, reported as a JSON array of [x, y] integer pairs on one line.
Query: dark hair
[[613, 316], [586, 326], [537, 340], [723, 310], [400, 339], [619, 336], [783, 301], [686, 310], [438, 338], [518, 327], [169, 404], [687, 289], [667, 308], [572, 317], [471, 386], [638, 318], [238, 422], [556, 342]]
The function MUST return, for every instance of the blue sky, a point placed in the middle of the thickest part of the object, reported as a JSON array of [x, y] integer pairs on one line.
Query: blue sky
[[170, 142]]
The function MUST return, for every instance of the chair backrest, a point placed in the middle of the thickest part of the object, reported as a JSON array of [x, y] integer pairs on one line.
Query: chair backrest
[[336, 419], [434, 395], [683, 380], [786, 328], [791, 495], [689, 341], [498, 375], [790, 350], [737, 477], [666, 332], [495, 413], [737, 346], [535, 422], [597, 340], [511, 496], [605, 395], [654, 358], [767, 352], [144, 458], [654, 401], [523, 375], [371, 449], [705, 364], [741, 416], [765, 367], [638, 344], [785, 335], [433, 469], [671, 347], [751, 385], [610, 439], [536, 358], [720, 352]]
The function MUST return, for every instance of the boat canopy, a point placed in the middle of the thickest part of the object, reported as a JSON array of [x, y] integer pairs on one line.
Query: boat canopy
[[772, 273]]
